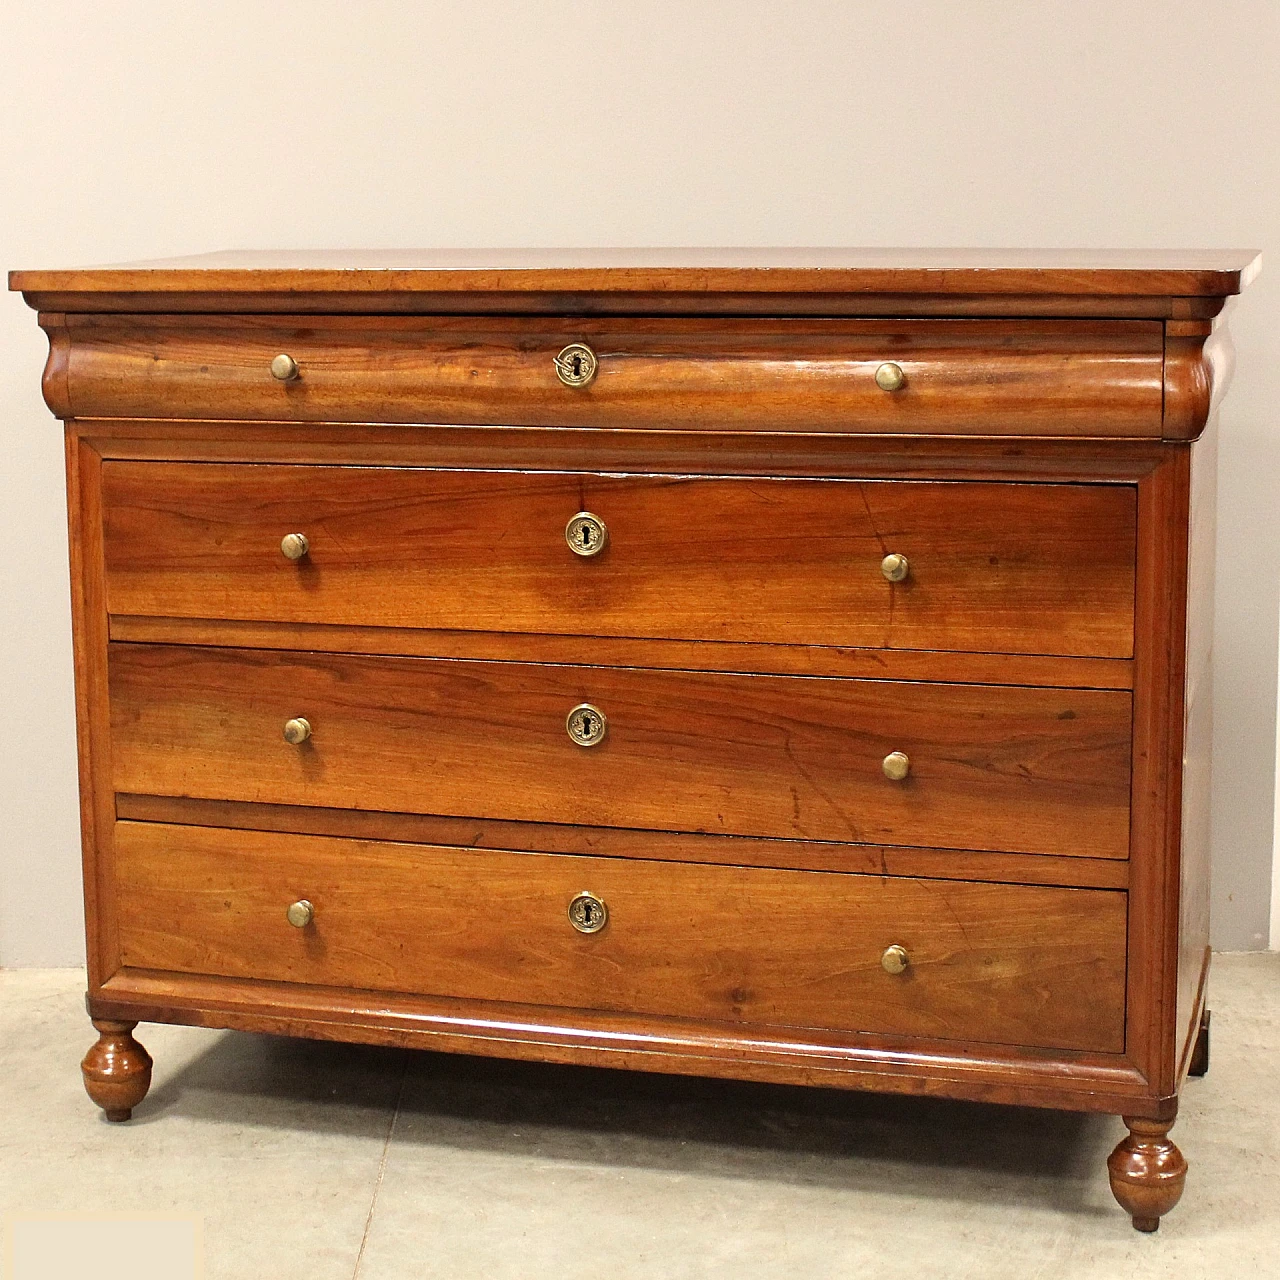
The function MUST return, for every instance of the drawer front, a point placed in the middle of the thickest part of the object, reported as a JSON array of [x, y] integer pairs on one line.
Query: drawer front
[[989, 962], [983, 377], [1001, 768], [1006, 568]]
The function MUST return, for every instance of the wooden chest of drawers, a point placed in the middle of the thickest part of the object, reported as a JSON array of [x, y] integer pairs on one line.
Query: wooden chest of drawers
[[788, 667]]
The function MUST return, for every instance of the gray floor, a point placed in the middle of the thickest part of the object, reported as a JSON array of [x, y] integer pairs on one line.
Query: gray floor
[[328, 1162]]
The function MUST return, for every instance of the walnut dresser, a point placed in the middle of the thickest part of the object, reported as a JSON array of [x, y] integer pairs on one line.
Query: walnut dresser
[[780, 666]]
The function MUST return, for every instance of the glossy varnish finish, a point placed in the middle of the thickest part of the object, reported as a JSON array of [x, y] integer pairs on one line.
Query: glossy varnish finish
[[1023, 770], [1043, 664], [998, 963], [1054, 377], [1035, 569]]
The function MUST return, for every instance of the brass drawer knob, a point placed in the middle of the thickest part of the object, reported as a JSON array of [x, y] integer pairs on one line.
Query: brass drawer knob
[[896, 765], [284, 368], [586, 534], [895, 959], [300, 914], [889, 377], [895, 567], [293, 546], [587, 913], [576, 365], [297, 730], [587, 725]]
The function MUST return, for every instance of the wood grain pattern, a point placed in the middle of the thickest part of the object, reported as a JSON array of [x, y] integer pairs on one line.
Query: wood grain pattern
[[618, 842], [988, 962], [116, 1070], [608, 651], [1085, 273], [657, 453], [1016, 1074], [1023, 770], [1048, 845], [1032, 569], [982, 377]]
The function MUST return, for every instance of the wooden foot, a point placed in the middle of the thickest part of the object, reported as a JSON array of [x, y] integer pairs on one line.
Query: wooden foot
[[117, 1070], [1200, 1054], [1147, 1172]]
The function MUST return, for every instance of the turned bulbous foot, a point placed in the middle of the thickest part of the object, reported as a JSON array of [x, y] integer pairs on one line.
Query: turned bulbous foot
[[117, 1070], [1147, 1172]]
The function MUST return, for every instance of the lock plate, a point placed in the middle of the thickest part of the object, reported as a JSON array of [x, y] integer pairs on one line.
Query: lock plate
[[576, 365], [586, 725], [586, 534], [587, 913]]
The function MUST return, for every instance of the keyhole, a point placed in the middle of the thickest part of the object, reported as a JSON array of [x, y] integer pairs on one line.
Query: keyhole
[[586, 535], [577, 366]]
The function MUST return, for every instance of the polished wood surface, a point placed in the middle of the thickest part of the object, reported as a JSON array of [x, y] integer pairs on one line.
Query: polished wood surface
[[998, 963], [1148, 1172], [1086, 272], [619, 842], [1025, 770], [116, 1070], [1043, 665], [1052, 378], [1035, 569], [939, 666]]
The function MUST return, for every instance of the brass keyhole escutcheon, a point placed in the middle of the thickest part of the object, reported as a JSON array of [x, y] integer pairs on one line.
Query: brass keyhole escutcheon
[[587, 725], [587, 913], [576, 365], [586, 534]]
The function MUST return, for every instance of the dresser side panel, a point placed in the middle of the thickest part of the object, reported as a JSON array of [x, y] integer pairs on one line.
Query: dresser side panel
[[1193, 942], [93, 719]]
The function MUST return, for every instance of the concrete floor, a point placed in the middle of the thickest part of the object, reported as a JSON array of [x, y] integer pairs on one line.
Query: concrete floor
[[334, 1162]]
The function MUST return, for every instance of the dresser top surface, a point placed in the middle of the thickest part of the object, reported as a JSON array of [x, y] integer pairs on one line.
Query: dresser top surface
[[1212, 273]]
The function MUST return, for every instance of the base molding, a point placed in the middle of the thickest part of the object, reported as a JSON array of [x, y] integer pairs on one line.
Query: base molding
[[1105, 1084]]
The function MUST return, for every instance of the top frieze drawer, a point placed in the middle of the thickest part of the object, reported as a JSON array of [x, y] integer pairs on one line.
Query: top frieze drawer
[[948, 377]]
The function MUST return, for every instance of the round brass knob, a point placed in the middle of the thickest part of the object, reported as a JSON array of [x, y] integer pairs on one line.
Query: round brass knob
[[297, 730], [896, 765], [895, 959], [586, 534], [576, 365], [586, 725], [284, 368], [889, 377], [294, 546], [587, 913], [300, 914], [895, 567]]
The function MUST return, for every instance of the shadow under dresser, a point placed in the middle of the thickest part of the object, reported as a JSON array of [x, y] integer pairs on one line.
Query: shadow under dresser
[[787, 666]]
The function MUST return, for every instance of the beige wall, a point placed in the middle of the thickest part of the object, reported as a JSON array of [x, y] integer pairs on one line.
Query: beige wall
[[133, 130]]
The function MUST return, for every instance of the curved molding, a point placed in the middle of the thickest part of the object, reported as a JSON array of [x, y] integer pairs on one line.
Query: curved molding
[[1198, 362], [55, 383]]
